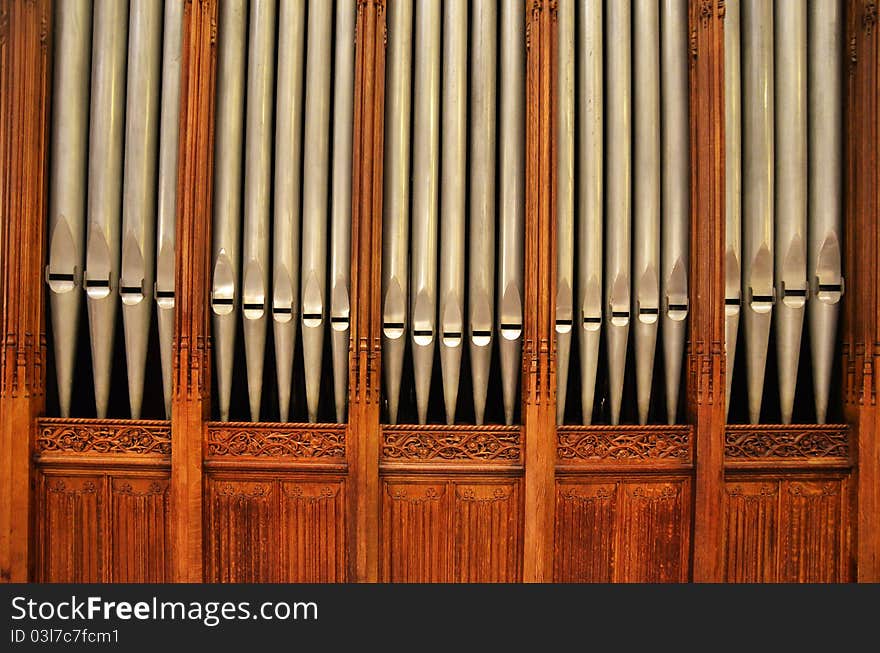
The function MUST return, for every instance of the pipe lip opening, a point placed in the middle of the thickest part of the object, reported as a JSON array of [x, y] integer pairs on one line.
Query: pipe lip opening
[[282, 314], [131, 294], [97, 288], [393, 330], [563, 326], [253, 310], [451, 339], [62, 282], [481, 337], [511, 331], [339, 322], [312, 320], [592, 323]]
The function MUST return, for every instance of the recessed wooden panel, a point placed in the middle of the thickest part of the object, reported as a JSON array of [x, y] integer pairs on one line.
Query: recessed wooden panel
[[71, 529], [487, 533], [584, 533], [416, 532], [751, 531], [138, 530], [242, 546], [312, 524]]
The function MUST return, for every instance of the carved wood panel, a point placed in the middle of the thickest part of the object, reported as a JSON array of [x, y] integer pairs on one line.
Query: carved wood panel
[[138, 530], [312, 521], [787, 530], [622, 530], [451, 530]]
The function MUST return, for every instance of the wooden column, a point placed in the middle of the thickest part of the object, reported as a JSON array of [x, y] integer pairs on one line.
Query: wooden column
[[365, 350], [706, 359], [191, 350], [539, 351], [861, 312], [25, 28]]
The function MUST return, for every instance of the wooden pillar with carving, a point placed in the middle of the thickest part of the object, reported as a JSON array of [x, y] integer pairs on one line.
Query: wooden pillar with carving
[[191, 351], [861, 313], [539, 351], [365, 350], [706, 358], [25, 27]]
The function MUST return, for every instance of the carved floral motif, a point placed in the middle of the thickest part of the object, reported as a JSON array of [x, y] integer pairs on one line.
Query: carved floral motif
[[482, 445], [803, 442], [104, 437], [620, 444], [262, 442]]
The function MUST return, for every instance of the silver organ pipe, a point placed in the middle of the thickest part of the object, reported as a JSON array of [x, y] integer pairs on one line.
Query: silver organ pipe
[[511, 193], [316, 184], [675, 194], [425, 179], [824, 269], [340, 208], [139, 187], [395, 222], [228, 144], [166, 216], [287, 194], [106, 134], [67, 190], [452, 197], [565, 202]]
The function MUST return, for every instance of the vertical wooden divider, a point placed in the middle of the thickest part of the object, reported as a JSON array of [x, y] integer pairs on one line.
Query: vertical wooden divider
[[861, 309], [706, 357], [191, 349], [539, 351], [365, 349], [25, 29]]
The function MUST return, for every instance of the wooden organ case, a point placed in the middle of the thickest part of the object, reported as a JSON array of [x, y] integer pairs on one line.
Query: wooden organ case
[[188, 497]]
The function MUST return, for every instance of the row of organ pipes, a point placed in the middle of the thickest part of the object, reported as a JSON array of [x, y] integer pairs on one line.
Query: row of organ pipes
[[783, 65]]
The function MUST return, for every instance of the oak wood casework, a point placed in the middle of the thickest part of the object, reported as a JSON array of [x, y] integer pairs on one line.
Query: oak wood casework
[[194, 500]]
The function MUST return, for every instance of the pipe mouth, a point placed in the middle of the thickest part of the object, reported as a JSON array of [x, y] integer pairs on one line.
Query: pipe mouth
[[592, 322], [677, 308], [312, 320], [61, 282], [97, 288], [511, 330], [794, 297], [222, 305], [732, 306], [423, 337], [131, 294], [393, 330], [164, 298], [481, 337], [339, 322], [762, 304], [828, 293], [451, 338], [253, 310], [619, 318], [563, 326], [648, 314], [282, 314]]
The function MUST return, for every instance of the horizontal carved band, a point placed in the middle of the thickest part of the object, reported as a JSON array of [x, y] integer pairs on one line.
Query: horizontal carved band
[[322, 442], [624, 445], [814, 444], [485, 444], [99, 437]]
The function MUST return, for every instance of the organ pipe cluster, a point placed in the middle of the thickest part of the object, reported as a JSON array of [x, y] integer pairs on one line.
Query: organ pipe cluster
[[113, 184], [783, 94]]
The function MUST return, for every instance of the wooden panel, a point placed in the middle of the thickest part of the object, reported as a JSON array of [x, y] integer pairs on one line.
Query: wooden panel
[[798, 445], [416, 532], [312, 527], [242, 545], [138, 530], [751, 511], [584, 536], [487, 533], [72, 519], [624, 447]]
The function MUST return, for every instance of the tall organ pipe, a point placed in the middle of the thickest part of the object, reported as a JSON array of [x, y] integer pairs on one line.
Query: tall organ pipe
[[225, 292], [732, 186], [340, 208], [565, 202], [481, 252], [618, 168], [674, 194], [791, 193], [425, 178], [287, 189], [316, 184], [758, 194], [825, 191], [646, 202], [511, 189], [106, 133], [395, 220], [166, 217], [590, 196], [452, 197], [67, 185], [139, 189]]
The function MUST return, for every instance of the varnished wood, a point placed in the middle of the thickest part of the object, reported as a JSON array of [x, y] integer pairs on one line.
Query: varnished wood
[[25, 55], [190, 346]]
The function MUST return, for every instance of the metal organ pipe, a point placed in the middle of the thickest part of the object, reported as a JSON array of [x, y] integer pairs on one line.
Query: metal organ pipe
[[166, 217], [316, 178], [758, 193], [340, 208], [565, 202], [452, 197], [287, 193], [227, 190], [646, 200], [106, 132], [733, 186], [425, 178], [825, 191], [618, 169], [590, 196], [139, 188], [395, 220], [675, 194], [67, 190]]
